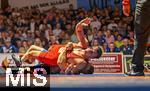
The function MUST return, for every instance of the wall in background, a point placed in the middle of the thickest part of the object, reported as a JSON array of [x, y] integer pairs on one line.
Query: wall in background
[[102, 3]]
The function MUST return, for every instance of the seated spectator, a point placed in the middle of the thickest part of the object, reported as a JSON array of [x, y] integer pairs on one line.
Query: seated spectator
[[112, 48], [25, 44], [112, 25], [38, 42], [104, 47], [57, 30], [96, 44], [109, 37], [74, 38], [89, 35], [126, 48], [69, 30], [95, 23], [118, 42], [101, 38], [8, 47]]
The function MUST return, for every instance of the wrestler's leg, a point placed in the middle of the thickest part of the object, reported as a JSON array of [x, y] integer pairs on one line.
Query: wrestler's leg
[[33, 47], [34, 53]]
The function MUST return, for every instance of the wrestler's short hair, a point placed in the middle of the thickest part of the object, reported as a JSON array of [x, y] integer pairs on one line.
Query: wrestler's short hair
[[78, 69], [89, 69]]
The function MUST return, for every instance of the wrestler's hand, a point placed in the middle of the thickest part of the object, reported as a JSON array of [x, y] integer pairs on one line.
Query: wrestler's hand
[[86, 22], [126, 7]]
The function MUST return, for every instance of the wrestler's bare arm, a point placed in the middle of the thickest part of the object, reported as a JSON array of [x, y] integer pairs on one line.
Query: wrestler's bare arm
[[83, 42]]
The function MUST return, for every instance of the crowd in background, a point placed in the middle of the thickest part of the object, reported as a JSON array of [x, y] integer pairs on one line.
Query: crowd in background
[[21, 28]]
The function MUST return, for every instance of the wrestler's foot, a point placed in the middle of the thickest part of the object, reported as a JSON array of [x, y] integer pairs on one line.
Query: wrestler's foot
[[5, 64], [136, 74], [16, 60]]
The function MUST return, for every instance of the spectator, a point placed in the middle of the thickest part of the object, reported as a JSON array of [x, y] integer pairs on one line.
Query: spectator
[[30, 35], [25, 26], [112, 26], [104, 47], [69, 30], [90, 35], [112, 48], [57, 30], [101, 38], [118, 42], [126, 48], [25, 45], [95, 23], [109, 37], [74, 38], [8, 47], [32, 25], [38, 42], [96, 44], [49, 32]]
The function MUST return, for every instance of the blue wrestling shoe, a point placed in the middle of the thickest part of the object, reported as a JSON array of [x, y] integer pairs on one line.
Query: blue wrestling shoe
[[16, 60]]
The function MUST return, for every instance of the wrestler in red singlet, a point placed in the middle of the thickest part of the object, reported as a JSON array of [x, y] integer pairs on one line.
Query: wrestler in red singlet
[[50, 57]]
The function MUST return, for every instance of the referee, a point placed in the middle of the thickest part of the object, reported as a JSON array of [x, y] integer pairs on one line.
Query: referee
[[142, 32]]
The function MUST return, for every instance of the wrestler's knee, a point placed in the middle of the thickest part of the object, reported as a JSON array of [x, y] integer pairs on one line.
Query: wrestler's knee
[[33, 46], [60, 62], [31, 53]]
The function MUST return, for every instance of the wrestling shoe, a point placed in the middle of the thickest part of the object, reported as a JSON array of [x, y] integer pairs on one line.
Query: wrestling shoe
[[5, 63], [16, 60], [135, 74]]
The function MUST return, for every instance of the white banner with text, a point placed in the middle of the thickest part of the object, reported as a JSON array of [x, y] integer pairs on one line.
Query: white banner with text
[[42, 4]]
